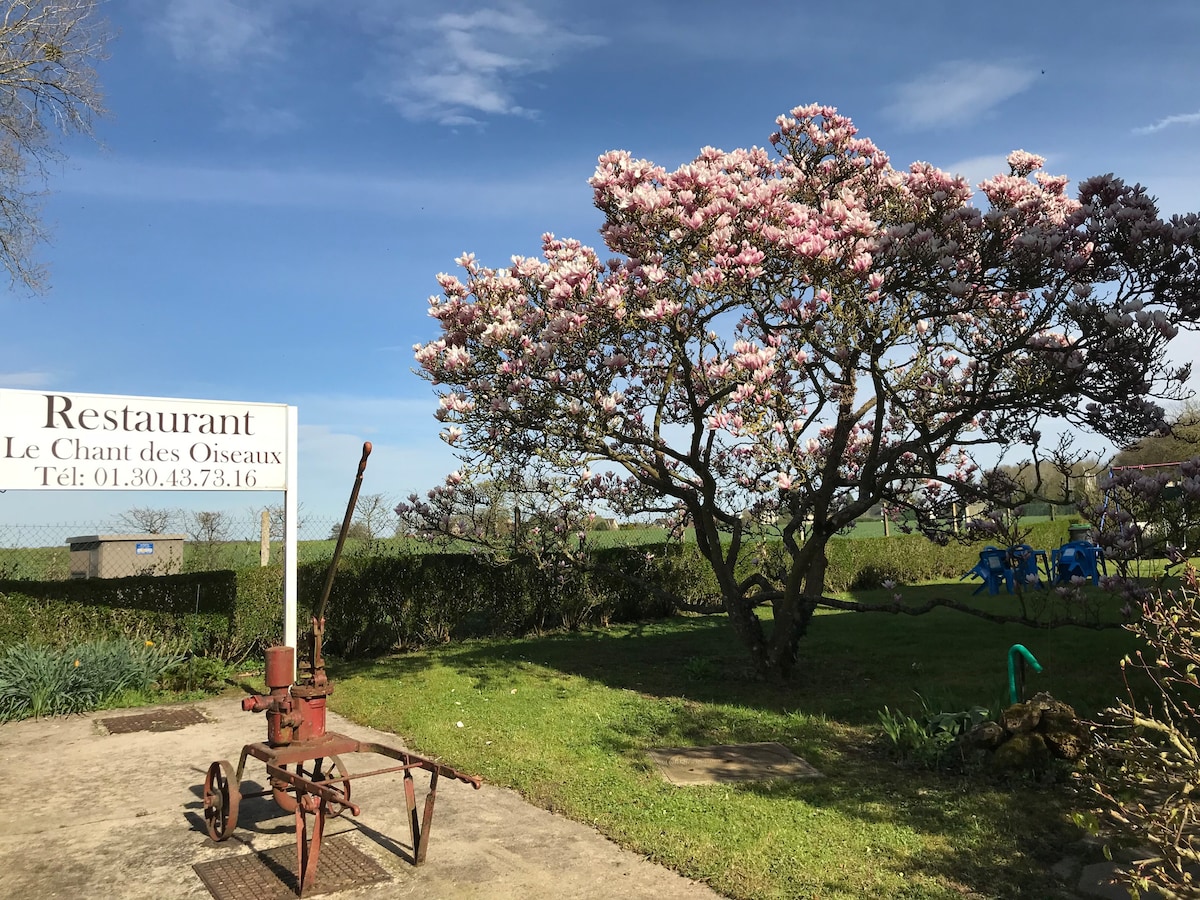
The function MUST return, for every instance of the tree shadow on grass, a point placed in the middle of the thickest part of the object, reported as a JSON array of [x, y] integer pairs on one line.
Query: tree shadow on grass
[[851, 665], [689, 684], [995, 833]]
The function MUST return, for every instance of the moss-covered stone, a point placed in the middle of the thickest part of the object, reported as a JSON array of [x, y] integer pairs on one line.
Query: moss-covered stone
[[1023, 752]]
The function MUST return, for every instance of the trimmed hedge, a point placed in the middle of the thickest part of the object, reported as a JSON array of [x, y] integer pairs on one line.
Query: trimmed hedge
[[911, 558], [226, 614], [383, 602]]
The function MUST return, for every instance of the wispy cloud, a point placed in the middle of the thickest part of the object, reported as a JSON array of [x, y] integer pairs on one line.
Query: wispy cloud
[[217, 34], [24, 380], [456, 68], [261, 121], [407, 453], [956, 93], [978, 168], [1182, 119], [537, 192], [240, 47]]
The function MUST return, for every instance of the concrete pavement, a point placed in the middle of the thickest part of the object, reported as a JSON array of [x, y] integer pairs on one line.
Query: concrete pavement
[[84, 812]]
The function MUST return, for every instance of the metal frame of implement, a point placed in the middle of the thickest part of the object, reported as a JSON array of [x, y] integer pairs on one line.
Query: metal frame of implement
[[318, 783]]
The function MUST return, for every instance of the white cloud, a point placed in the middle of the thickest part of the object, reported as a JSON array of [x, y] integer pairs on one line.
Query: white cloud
[[1182, 119], [407, 455], [25, 380], [241, 46], [956, 93], [456, 67], [217, 34]]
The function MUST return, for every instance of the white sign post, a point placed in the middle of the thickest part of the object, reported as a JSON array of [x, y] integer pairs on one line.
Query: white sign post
[[62, 440]]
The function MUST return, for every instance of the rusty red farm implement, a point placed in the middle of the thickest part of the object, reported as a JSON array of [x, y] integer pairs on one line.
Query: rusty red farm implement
[[304, 761]]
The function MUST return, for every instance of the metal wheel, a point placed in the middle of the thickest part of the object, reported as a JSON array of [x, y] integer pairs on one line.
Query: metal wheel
[[221, 799], [339, 782], [331, 775]]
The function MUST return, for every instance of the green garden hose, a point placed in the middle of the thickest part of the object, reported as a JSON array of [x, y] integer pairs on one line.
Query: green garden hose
[[1014, 693]]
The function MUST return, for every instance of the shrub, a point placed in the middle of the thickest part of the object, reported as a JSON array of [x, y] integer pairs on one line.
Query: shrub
[[1144, 772], [174, 609], [386, 597], [196, 673]]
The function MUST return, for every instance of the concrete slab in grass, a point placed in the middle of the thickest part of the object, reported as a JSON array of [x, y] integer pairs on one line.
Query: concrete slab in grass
[[730, 762]]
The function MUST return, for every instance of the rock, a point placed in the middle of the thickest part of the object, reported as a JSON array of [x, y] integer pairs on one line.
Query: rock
[[1024, 752], [1020, 718], [984, 736], [1067, 737]]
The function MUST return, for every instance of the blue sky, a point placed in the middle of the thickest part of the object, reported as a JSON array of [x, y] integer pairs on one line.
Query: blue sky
[[264, 211]]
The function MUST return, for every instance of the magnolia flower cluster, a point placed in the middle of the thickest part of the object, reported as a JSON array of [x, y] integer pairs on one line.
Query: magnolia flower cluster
[[771, 312]]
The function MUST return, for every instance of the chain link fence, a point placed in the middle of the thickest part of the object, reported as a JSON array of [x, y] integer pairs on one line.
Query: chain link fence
[[150, 541], [162, 542]]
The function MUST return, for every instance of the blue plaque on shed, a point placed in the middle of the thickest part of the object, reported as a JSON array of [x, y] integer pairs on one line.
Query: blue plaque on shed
[[143, 548]]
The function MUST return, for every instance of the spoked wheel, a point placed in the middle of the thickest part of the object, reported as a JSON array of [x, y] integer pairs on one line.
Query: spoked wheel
[[336, 777], [221, 799], [328, 771]]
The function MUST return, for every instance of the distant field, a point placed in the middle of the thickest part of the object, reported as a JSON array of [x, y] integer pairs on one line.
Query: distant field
[[53, 563]]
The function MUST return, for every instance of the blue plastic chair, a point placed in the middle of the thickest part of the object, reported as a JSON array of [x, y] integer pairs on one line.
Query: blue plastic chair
[[1027, 564], [1078, 559], [992, 568]]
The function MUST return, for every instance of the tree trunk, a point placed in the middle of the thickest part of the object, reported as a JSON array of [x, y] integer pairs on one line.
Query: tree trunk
[[748, 628], [793, 612]]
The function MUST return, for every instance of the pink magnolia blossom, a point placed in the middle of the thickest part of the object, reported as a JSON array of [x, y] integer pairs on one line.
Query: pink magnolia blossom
[[809, 319]]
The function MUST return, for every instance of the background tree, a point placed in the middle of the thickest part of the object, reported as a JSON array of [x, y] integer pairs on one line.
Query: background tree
[[1064, 476], [208, 530], [374, 516], [785, 341], [148, 520], [278, 519], [48, 87], [357, 531], [1179, 440]]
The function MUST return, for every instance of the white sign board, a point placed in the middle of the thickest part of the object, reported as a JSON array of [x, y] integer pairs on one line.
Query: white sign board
[[62, 440], [59, 440]]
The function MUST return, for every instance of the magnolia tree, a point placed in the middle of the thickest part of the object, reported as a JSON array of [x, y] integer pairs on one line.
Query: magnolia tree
[[791, 337]]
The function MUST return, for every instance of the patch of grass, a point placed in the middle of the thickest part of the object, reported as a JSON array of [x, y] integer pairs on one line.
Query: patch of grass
[[566, 720]]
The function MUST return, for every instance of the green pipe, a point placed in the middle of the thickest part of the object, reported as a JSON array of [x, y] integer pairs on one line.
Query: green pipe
[[1014, 695]]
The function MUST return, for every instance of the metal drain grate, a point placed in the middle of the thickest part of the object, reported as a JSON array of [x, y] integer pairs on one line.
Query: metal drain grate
[[730, 762], [169, 718], [271, 875]]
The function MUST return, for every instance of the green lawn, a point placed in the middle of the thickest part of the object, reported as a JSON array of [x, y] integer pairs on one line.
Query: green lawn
[[565, 719]]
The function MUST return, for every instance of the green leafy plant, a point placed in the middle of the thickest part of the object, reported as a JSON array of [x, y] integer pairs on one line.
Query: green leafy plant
[[928, 741], [196, 673], [40, 681], [700, 668]]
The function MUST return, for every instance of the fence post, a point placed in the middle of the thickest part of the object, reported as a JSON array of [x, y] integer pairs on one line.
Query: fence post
[[886, 530], [954, 516], [264, 541]]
